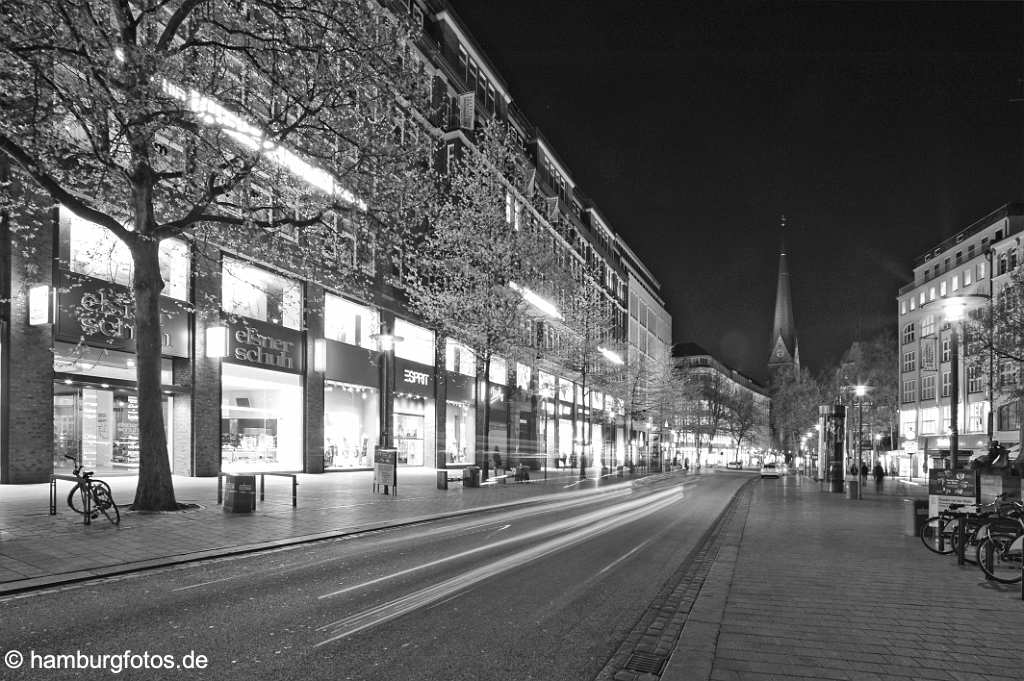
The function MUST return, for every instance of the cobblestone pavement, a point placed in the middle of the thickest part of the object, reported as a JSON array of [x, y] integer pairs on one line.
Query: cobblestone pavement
[[807, 584]]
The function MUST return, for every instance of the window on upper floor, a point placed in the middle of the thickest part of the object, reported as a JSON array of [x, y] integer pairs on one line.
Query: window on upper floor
[[909, 361], [967, 277], [981, 270], [945, 349], [956, 282], [908, 333], [909, 390], [946, 383], [348, 322], [927, 325], [1002, 263], [942, 288], [94, 251], [928, 387], [254, 292], [974, 379]]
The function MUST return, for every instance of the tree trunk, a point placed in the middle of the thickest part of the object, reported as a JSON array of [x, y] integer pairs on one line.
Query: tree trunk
[[155, 490]]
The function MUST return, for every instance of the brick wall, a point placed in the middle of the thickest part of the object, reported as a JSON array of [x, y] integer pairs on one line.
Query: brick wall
[[29, 455]]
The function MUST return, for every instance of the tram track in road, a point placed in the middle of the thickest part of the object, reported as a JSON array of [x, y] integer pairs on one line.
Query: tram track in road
[[646, 650]]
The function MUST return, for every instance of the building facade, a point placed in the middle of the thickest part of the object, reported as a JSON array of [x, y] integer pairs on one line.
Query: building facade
[[266, 369], [955, 280], [726, 418]]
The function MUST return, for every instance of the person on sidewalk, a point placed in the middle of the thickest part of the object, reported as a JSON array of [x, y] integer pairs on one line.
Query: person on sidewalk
[[879, 474]]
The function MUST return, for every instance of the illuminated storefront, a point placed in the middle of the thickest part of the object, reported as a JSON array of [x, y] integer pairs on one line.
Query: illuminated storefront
[[459, 415], [414, 396], [95, 402], [261, 375], [351, 388]]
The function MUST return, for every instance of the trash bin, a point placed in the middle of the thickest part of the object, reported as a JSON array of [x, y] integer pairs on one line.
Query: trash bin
[[471, 476], [915, 513], [851, 488], [442, 479], [239, 493]]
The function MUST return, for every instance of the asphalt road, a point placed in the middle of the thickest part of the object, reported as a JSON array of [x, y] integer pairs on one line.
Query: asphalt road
[[543, 592]]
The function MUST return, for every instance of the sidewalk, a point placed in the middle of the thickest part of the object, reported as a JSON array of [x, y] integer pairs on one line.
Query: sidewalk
[[37, 549], [806, 584]]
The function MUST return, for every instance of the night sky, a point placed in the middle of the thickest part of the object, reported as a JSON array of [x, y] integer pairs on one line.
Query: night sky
[[878, 129]]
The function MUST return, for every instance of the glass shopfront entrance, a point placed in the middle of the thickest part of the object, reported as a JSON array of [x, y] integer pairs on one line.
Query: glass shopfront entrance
[[96, 410], [99, 427]]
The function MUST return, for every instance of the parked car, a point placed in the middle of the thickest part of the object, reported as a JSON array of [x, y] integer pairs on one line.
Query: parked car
[[734, 464], [771, 470]]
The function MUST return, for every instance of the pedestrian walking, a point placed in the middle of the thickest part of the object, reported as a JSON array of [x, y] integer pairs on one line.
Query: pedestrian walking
[[879, 474], [863, 473]]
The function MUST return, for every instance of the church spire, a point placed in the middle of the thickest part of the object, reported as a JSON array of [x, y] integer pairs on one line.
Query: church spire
[[784, 349]]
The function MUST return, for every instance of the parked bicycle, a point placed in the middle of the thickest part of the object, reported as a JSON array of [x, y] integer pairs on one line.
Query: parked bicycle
[[91, 495], [942, 533], [1001, 552]]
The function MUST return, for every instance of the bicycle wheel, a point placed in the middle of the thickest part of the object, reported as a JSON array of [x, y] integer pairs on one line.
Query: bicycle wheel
[[75, 500], [999, 557], [103, 501], [937, 534]]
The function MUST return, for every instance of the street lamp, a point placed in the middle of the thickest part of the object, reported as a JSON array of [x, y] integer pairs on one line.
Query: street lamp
[[860, 391], [386, 345], [954, 314]]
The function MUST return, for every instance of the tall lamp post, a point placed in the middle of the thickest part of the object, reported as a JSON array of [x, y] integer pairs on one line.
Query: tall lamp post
[[386, 345], [860, 391], [954, 313]]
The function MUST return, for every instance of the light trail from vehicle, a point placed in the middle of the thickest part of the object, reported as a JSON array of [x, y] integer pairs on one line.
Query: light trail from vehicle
[[580, 530]]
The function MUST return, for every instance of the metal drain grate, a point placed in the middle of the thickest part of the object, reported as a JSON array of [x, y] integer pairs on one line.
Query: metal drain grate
[[646, 662]]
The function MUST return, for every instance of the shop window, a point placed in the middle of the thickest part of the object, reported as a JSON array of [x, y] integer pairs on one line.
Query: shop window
[[256, 293], [499, 371], [1008, 417], [523, 376], [348, 322], [351, 425], [460, 429], [417, 344], [261, 419], [98, 425], [929, 421], [459, 358], [93, 251]]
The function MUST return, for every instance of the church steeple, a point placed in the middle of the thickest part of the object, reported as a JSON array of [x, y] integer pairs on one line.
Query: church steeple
[[785, 351]]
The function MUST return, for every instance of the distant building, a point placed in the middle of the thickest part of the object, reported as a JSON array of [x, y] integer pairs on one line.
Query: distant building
[[962, 272], [712, 414]]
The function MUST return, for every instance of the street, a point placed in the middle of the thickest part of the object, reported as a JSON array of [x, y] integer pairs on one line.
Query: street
[[546, 591]]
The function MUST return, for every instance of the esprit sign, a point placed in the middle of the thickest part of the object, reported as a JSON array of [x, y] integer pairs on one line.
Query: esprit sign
[[416, 377]]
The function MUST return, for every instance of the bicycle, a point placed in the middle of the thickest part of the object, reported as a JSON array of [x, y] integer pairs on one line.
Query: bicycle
[[1001, 553], [92, 495], [941, 533]]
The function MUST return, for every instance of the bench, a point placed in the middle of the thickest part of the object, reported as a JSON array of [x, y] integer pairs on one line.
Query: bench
[[261, 474], [53, 495]]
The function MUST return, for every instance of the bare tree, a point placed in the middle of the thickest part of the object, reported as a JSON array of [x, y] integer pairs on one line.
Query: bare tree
[[226, 120], [795, 400], [483, 256]]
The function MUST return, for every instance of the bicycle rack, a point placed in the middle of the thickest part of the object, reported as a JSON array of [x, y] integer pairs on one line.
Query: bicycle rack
[[53, 496]]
